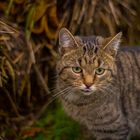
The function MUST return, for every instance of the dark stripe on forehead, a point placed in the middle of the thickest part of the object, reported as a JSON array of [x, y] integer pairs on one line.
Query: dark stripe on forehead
[[84, 50], [83, 61], [90, 48], [90, 44], [96, 49]]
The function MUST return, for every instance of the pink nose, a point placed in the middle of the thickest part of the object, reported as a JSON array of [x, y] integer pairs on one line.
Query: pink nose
[[88, 85]]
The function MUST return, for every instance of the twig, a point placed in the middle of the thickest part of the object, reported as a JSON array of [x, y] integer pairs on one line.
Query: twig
[[113, 10], [6, 32], [32, 56], [40, 77], [83, 9], [75, 16], [108, 22], [92, 10], [20, 56], [12, 102], [9, 27], [124, 4]]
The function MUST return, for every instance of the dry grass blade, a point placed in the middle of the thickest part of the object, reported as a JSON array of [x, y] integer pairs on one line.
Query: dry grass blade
[[41, 79], [124, 4], [108, 22], [113, 10], [12, 103]]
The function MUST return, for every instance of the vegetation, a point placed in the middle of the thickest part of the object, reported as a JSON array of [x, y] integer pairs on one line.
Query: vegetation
[[28, 54], [54, 125]]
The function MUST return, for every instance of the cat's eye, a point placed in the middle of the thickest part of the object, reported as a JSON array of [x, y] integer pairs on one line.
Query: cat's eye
[[99, 71], [76, 69]]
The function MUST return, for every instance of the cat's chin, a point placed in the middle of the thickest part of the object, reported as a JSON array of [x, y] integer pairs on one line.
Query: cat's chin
[[87, 93]]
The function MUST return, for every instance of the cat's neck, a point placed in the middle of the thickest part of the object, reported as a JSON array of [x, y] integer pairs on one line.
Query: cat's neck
[[94, 102]]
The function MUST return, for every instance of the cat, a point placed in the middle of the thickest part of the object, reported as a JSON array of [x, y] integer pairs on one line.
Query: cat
[[99, 84]]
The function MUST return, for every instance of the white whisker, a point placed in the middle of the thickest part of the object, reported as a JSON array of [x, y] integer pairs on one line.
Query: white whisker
[[58, 95]]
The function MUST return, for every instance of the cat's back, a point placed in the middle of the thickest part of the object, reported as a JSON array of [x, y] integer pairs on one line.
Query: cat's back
[[129, 49], [128, 66], [129, 56]]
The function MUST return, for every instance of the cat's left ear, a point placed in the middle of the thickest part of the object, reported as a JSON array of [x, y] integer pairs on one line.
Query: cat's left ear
[[112, 44], [66, 41]]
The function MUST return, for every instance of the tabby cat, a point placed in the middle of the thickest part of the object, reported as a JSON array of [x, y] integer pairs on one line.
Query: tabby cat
[[99, 84]]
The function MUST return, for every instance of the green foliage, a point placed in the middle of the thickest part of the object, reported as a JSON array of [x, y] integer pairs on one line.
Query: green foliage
[[56, 126]]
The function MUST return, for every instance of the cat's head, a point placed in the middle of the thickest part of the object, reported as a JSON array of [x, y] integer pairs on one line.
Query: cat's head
[[87, 64]]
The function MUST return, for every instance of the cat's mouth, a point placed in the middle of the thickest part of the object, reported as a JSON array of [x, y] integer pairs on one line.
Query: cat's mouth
[[87, 91]]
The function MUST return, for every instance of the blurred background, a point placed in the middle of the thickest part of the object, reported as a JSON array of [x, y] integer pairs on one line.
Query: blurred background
[[28, 53]]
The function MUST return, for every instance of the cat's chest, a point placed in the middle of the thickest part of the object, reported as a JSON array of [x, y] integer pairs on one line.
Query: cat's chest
[[90, 116]]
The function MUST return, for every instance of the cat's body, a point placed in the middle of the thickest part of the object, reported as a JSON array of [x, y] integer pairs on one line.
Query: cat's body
[[106, 101]]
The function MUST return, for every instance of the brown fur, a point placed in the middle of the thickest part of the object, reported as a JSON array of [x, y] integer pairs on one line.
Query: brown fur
[[107, 104]]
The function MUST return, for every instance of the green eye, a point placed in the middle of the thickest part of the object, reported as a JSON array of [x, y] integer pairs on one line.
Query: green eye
[[76, 69], [99, 71]]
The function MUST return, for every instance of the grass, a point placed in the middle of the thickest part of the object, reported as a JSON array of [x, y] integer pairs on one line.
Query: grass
[[56, 125]]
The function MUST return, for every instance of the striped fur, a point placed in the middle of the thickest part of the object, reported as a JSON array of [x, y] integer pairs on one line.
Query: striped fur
[[111, 110]]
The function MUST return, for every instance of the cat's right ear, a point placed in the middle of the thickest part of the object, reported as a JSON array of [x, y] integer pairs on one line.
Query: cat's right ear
[[66, 40]]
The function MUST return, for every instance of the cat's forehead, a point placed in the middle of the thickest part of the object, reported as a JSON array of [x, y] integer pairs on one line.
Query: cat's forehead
[[90, 48], [90, 45], [84, 56], [87, 62]]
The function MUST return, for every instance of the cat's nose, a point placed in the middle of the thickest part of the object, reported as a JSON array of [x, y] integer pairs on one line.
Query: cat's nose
[[88, 85], [88, 81]]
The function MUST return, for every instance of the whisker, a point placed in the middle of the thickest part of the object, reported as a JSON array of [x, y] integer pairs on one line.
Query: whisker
[[60, 92], [58, 95], [67, 93], [54, 89]]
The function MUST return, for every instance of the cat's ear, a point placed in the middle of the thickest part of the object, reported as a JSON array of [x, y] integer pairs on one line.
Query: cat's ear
[[66, 40], [112, 44]]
